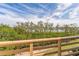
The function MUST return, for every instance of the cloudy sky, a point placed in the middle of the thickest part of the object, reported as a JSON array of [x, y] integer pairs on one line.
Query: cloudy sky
[[57, 13]]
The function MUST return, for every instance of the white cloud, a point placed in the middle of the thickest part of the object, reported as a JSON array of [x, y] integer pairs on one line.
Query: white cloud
[[64, 21], [9, 12], [35, 19], [6, 19], [63, 6], [59, 10], [34, 10], [11, 17], [74, 13], [12, 21], [10, 7], [44, 7]]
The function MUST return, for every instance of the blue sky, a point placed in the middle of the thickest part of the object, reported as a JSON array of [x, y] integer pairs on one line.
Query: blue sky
[[57, 13]]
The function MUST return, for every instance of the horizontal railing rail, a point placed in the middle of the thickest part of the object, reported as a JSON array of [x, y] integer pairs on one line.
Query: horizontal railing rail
[[31, 44]]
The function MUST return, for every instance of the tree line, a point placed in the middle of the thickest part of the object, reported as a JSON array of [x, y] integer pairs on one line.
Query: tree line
[[29, 30]]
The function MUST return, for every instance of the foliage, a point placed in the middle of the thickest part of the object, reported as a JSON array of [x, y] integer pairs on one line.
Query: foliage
[[29, 30]]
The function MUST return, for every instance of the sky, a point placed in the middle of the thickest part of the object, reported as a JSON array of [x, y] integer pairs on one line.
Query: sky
[[57, 13]]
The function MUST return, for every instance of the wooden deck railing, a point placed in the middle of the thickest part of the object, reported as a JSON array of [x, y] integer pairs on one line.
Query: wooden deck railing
[[31, 42]]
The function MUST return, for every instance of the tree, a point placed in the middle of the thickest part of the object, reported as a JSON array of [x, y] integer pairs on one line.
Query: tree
[[40, 26], [57, 28]]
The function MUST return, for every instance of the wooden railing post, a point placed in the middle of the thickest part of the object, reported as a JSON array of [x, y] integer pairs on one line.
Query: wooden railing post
[[59, 47], [31, 49]]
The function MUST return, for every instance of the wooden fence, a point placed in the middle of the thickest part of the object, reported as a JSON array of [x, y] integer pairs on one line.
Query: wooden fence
[[31, 42]]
